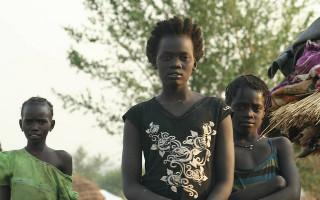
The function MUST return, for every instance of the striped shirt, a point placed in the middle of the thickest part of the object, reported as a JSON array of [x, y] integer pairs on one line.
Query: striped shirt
[[244, 178]]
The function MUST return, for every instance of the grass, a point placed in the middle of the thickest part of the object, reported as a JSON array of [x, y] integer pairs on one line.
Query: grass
[[309, 170]]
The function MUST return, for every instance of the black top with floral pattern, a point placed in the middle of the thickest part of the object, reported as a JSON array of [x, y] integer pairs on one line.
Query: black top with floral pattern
[[178, 151]]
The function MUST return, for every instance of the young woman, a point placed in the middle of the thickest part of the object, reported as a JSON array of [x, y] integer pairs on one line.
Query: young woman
[[264, 167], [185, 137]]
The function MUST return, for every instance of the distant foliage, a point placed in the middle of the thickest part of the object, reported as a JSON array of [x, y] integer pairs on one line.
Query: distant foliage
[[112, 182], [93, 168], [309, 170], [241, 37], [89, 167]]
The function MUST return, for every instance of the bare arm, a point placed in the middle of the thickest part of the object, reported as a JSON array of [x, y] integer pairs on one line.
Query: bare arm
[[260, 190], [288, 169], [224, 161], [131, 166], [66, 162], [5, 192]]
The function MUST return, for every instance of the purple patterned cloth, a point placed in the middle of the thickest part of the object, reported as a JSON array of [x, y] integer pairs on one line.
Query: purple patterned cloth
[[309, 59]]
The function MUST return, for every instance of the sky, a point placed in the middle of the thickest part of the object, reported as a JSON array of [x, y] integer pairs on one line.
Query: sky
[[33, 61]]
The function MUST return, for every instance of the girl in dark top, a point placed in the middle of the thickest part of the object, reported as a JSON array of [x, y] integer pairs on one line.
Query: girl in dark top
[[185, 137], [264, 167]]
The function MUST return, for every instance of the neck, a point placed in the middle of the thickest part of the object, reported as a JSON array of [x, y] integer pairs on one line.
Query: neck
[[175, 94], [245, 137], [36, 147]]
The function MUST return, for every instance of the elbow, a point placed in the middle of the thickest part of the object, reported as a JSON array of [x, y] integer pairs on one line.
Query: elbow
[[294, 191], [280, 182], [131, 191], [128, 192]]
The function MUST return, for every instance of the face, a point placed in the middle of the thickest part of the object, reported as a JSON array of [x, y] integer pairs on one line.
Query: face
[[175, 60], [248, 107], [36, 122]]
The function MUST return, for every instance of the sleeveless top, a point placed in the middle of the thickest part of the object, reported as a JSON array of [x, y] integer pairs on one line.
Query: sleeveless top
[[31, 178], [244, 178], [178, 151]]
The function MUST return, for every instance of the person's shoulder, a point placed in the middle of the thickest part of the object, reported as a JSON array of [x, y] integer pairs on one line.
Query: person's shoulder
[[63, 155], [65, 161], [212, 99], [281, 143], [11, 152], [280, 140], [143, 103]]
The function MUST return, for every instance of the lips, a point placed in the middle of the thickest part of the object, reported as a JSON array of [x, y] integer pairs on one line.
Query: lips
[[174, 75], [246, 124], [34, 136]]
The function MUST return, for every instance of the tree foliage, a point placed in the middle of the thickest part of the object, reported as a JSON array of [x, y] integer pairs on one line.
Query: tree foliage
[[89, 167], [241, 36], [93, 168]]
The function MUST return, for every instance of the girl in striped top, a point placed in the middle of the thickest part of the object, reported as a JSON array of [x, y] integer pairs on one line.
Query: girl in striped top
[[264, 167]]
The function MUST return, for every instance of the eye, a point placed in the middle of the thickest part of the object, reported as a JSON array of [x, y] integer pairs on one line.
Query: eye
[[27, 122], [257, 108], [239, 107], [42, 122], [165, 57], [184, 58]]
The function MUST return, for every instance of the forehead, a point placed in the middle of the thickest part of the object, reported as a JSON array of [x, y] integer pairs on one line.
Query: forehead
[[36, 110], [248, 95], [175, 43]]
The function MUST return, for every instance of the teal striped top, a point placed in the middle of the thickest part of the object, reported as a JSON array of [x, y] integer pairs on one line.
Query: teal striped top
[[244, 178]]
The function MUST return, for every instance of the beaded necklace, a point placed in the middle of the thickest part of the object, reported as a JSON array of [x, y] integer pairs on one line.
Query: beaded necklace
[[250, 146]]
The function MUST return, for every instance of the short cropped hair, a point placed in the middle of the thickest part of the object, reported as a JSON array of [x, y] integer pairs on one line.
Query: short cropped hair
[[38, 101], [252, 82], [176, 27]]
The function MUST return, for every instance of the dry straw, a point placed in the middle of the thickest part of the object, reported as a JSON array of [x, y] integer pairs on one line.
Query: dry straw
[[299, 114]]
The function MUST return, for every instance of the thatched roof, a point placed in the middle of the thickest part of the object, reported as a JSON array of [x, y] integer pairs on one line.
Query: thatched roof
[[87, 189]]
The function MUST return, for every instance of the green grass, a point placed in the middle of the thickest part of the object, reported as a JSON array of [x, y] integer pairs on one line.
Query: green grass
[[309, 170]]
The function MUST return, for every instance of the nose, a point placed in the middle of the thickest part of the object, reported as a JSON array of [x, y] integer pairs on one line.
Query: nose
[[176, 63], [248, 113], [34, 127]]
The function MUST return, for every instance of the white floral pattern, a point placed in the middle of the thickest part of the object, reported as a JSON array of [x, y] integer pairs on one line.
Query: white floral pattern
[[183, 159]]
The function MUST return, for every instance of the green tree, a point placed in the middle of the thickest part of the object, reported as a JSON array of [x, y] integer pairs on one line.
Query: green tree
[[241, 36], [93, 168], [89, 167], [112, 182]]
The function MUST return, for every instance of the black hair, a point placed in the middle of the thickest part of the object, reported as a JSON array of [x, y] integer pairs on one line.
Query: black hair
[[38, 101], [175, 26], [252, 82]]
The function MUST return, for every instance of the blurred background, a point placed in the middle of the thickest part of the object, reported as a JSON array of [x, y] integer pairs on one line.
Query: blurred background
[[88, 59]]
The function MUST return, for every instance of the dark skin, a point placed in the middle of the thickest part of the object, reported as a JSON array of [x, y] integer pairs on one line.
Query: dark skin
[[175, 63], [248, 106], [36, 122]]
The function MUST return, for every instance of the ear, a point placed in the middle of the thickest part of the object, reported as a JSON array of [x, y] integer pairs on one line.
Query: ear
[[194, 65], [20, 124], [53, 122], [154, 63], [264, 115]]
